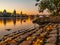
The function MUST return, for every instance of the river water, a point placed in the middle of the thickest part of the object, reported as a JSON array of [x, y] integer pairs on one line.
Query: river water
[[14, 24]]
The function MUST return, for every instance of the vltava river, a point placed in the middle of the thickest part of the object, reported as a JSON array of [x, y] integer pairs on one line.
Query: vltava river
[[14, 24]]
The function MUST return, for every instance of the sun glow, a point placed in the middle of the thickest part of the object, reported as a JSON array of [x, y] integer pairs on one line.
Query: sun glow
[[26, 6], [19, 11]]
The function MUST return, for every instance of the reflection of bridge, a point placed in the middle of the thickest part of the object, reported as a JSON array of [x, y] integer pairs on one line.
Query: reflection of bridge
[[47, 34]]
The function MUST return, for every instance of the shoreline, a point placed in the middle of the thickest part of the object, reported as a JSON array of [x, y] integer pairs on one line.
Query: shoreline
[[43, 35]]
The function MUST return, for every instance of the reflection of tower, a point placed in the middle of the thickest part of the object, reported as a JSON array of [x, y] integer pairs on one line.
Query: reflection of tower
[[21, 20], [14, 21], [4, 21]]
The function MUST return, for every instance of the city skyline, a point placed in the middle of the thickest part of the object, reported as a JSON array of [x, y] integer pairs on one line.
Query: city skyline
[[26, 6]]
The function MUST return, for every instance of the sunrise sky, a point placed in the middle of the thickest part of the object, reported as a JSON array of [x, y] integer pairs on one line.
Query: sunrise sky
[[26, 6]]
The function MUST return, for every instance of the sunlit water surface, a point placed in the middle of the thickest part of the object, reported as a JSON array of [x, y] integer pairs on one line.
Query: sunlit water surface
[[14, 24]]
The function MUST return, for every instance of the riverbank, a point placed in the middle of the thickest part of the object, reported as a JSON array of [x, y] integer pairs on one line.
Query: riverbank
[[47, 35], [51, 19]]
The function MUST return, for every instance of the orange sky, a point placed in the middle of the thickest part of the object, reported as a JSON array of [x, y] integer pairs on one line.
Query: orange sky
[[26, 6], [23, 11]]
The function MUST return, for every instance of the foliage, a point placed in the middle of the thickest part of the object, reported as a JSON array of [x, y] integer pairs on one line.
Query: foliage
[[52, 5]]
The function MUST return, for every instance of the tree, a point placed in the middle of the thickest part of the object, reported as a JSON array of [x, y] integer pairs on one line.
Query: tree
[[52, 5]]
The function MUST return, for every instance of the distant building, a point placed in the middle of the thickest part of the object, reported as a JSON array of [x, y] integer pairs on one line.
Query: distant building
[[21, 12], [14, 12], [4, 13]]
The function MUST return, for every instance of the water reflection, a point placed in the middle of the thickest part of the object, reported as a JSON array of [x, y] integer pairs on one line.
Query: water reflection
[[14, 24], [7, 20]]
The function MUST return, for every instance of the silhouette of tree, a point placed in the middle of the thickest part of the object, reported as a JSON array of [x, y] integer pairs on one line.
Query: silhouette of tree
[[52, 5]]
